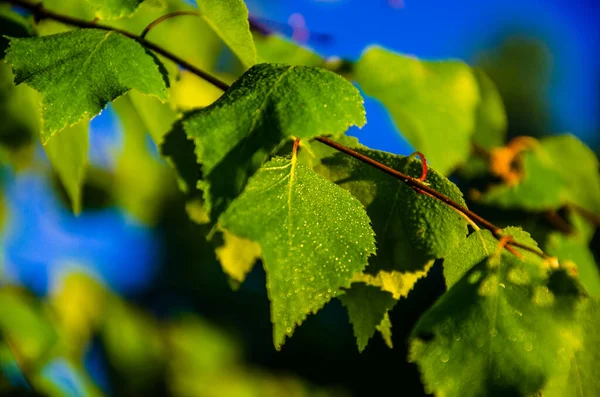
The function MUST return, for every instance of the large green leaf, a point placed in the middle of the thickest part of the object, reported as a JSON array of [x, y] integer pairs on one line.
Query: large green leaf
[[266, 106], [229, 19], [78, 72], [314, 236], [68, 154], [560, 170], [367, 306], [582, 376], [500, 329], [432, 103], [411, 228]]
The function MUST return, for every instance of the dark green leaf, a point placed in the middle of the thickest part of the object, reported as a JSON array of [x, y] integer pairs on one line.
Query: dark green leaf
[[499, 330], [411, 228], [13, 25], [366, 307], [582, 375]]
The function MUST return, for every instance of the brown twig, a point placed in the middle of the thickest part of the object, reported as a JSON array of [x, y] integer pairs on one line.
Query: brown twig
[[170, 15]]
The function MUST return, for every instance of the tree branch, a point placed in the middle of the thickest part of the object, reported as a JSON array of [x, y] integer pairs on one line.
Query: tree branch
[[39, 12]]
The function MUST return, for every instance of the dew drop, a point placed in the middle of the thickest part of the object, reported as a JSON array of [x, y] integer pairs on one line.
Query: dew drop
[[444, 358]]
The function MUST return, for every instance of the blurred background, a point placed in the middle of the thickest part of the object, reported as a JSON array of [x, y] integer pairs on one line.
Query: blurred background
[[145, 258]]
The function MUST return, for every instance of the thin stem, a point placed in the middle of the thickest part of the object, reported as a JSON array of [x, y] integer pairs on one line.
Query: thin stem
[[41, 13], [170, 15], [412, 182]]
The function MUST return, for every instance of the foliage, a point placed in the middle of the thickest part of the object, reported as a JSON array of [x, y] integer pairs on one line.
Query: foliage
[[326, 221]]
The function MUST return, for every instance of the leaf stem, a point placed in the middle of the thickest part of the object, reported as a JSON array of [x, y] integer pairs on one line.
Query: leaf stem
[[40, 12], [170, 15]]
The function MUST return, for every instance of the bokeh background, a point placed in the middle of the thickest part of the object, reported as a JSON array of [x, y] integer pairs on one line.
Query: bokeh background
[[542, 55]]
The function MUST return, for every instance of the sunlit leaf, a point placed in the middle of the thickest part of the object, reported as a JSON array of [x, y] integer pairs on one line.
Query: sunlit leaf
[[313, 236], [229, 19], [107, 9], [237, 256], [433, 104], [277, 49], [68, 154], [78, 72]]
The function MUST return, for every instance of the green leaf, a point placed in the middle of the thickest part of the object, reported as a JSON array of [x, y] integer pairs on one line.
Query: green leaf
[[559, 171], [79, 72], [582, 376], [385, 329], [368, 314], [313, 236], [67, 153], [109, 9], [366, 307], [433, 104], [499, 329], [474, 249], [19, 112], [237, 256], [573, 252], [229, 19], [491, 122], [277, 49], [140, 178], [411, 228], [178, 150], [266, 106]]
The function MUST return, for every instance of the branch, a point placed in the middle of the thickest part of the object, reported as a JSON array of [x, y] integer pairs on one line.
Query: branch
[[39, 12]]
